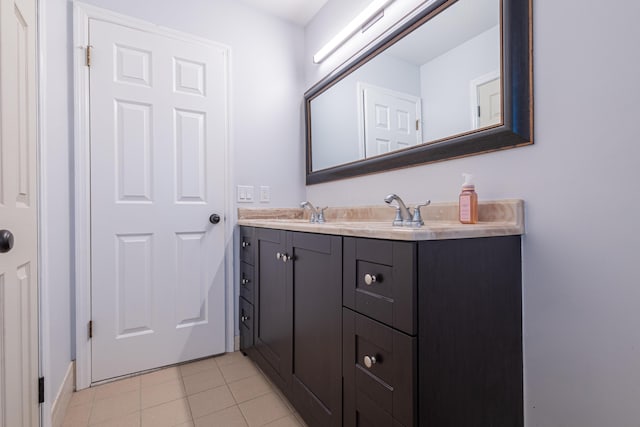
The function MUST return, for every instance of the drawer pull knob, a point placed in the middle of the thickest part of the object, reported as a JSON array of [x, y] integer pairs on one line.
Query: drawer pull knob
[[283, 257], [245, 244], [245, 281], [369, 361], [369, 279], [244, 318]]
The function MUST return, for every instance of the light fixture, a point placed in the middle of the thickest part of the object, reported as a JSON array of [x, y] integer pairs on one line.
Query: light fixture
[[363, 18]]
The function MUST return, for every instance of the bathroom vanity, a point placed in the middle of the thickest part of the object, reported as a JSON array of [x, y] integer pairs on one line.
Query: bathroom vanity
[[363, 324]]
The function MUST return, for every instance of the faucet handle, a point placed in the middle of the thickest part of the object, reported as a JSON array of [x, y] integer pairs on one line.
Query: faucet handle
[[417, 217], [320, 215], [398, 219]]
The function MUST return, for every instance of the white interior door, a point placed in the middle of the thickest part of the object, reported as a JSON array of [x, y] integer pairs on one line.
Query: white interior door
[[158, 129], [18, 216], [489, 103], [391, 120]]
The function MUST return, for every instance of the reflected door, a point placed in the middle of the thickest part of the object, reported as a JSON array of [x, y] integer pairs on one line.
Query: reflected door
[[391, 120], [158, 123], [489, 103]]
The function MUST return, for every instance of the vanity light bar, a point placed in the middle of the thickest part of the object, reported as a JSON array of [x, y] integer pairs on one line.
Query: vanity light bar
[[365, 16]]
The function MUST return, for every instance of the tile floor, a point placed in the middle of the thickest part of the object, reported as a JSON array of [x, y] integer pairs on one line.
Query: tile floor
[[222, 391]]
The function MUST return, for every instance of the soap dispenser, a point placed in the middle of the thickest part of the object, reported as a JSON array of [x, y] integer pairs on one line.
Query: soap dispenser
[[468, 207]]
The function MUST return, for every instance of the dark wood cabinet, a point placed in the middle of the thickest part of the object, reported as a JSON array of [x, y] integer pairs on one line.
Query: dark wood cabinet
[[247, 280], [470, 332], [273, 340], [369, 332], [298, 302], [316, 275]]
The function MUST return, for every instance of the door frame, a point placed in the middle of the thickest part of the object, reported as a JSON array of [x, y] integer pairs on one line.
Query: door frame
[[473, 94], [82, 13]]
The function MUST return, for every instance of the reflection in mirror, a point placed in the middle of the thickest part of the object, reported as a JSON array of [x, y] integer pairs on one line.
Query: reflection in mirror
[[443, 79], [439, 81]]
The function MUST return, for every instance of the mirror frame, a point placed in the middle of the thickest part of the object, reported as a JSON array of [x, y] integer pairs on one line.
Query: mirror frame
[[517, 101]]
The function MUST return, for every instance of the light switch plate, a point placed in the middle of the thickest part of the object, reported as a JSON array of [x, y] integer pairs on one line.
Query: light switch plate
[[265, 194], [245, 193]]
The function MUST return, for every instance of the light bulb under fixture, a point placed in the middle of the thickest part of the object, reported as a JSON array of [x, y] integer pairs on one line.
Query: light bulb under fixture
[[363, 17]]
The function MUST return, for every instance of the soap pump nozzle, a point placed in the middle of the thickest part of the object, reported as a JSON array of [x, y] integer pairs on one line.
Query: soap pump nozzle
[[467, 181]]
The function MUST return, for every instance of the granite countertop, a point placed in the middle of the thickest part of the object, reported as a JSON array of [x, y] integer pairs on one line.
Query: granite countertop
[[496, 218]]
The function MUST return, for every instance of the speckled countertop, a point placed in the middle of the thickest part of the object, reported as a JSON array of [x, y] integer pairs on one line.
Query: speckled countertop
[[496, 218]]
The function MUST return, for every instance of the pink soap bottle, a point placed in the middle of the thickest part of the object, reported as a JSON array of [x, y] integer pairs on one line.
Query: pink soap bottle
[[468, 207]]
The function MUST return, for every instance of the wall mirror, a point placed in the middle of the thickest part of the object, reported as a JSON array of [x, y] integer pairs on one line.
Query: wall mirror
[[454, 80]]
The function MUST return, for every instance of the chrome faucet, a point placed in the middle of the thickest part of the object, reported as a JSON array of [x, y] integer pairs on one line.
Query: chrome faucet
[[404, 217], [317, 215]]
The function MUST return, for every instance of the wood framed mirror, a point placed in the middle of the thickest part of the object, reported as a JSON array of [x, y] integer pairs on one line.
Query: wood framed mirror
[[452, 81]]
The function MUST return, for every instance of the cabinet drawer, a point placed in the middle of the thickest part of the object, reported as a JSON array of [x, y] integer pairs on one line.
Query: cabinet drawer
[[246, 324], [247, 246], [379, 369], [380, 281], [247, 280]]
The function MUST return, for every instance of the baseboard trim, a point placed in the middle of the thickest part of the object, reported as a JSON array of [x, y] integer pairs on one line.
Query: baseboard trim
[[60, 405], [236, 343]]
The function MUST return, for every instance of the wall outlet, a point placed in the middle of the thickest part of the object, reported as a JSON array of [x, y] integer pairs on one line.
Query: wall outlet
[[265, 194], [245, 193]]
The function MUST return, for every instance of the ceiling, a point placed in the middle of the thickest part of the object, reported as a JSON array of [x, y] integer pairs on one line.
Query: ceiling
[[297, 11]]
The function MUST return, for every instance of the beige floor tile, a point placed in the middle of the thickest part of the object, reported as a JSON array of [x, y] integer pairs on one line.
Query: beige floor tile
[[167, 415], [82, 397], [263, 410], [131, 420], [116, 388], [159, 377], [238, 370], [288, 421], [284, 399], [210, 401], [114, 407], [162, 393], [195, 367], [249, 388], [229, 358], [187, 424], [230, 417], [77, 416], [203, 381], [300, 420]]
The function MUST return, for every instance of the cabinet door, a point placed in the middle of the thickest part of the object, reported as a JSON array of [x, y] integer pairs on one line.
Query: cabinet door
[[315, 271], [272, 298], [246, 324]]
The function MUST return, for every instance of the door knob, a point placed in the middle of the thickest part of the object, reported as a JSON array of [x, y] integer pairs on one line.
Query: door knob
[[214, 219], [6, 241]]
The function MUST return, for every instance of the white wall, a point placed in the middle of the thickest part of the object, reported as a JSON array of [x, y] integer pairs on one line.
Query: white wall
[[56, 184], [335, 113], [267, 82], [446, 99], [580, 253]]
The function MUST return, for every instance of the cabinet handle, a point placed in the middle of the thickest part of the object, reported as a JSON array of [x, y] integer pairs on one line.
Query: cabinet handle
[[245, 281], [283, 257], [244, 318], [245, 244], [369, 361], [370, 278]]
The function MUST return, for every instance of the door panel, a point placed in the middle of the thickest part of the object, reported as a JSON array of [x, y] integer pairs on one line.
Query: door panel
[[18, 215], [158, 128], [390, 120]]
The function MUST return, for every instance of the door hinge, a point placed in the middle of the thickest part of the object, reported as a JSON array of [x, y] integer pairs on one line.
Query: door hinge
[[90, 328], [478, 111], [417, 124], [41, 390], [88, 55]]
